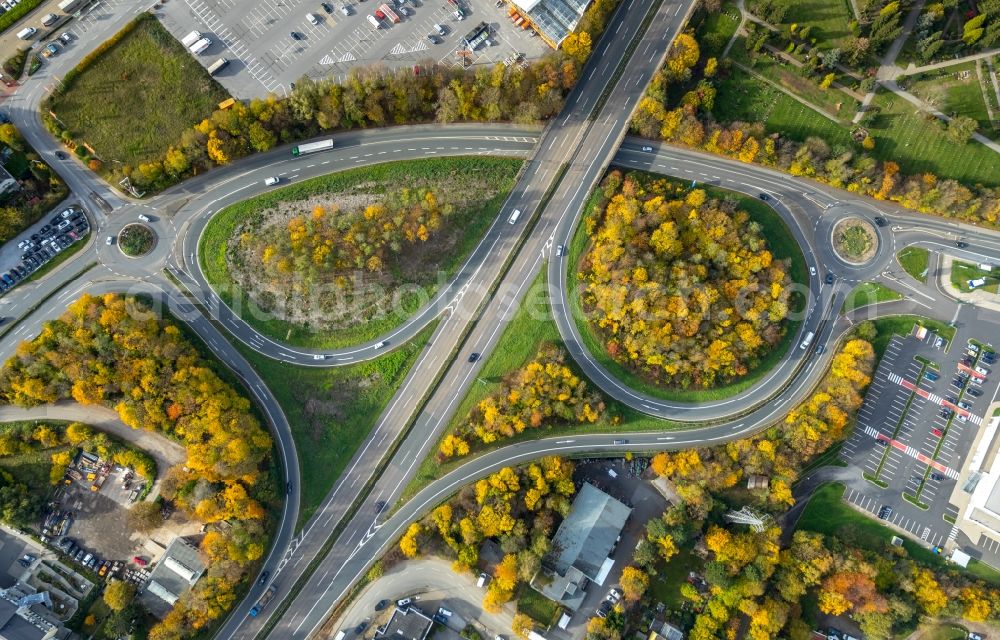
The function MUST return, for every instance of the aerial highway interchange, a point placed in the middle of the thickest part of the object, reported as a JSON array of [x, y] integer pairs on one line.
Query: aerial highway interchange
[[564, 160]]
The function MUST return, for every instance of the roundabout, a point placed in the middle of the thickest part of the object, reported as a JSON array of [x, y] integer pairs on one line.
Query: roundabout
[[136, 240], [854, 241]]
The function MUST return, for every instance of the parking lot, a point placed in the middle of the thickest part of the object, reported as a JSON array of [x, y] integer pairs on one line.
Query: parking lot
[[919, 419], [271, 45], [36, 246]]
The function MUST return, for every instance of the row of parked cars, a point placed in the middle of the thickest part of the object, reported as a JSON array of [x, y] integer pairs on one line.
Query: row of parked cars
[[80, 555], [62, 230]]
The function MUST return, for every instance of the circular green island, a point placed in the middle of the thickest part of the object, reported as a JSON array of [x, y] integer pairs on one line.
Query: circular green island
[[855, 240], [684, 294], [136, 240], [340, 259]]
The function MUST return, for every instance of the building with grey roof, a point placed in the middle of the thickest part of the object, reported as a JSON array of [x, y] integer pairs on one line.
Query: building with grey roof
[[177, 571], [552, 19], [23, 616], [581, 547], [408, 623]]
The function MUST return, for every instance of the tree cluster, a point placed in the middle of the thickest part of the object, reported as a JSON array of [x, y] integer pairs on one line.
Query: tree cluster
[[781, 451], [517, 508], [542, 393], [948, 28], [682, 289], [690, 122], [326, 243], [39, 187], [113, 350], [21, 438]]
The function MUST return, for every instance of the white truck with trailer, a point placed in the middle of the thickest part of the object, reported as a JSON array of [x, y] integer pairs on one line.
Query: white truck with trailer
[[199, 47], [312, 147], [191, 38]]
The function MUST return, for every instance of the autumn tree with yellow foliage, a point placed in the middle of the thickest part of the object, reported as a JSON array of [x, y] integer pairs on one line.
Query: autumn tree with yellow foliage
[[115, 351], [682, 288], [546, 391]]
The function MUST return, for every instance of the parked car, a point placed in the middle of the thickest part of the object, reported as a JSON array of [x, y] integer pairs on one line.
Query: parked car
[[885, 512]]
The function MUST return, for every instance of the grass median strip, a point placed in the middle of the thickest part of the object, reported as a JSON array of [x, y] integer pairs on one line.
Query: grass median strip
[[914, 262]]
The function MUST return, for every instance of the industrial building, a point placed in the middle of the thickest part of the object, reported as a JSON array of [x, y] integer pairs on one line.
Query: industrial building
[[582, 546], [177, 571], [552, 19]]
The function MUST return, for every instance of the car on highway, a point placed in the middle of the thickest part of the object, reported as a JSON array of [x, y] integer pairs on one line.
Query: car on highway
[[379, 506], [762, 196], [143, 217], [880, 221], [620, 441], [61, 155], [381, 604], [473, 356], [561, 250], [319, 356], [379, 344], [961, 245], [812, 270], [288, 487], [263, 577], [647, 148], [829, 278], [270, 182], [110, 240]]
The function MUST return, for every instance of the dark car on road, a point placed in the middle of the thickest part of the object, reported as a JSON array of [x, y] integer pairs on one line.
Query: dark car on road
[[961, 245], [474, 356], [379, 506], [382, 604], [263, 577], [880, 221], [829, 278], [361, 627]]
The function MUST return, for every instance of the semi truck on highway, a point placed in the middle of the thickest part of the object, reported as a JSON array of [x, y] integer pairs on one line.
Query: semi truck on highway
[[264, 599], [807, 341], [312, 147]]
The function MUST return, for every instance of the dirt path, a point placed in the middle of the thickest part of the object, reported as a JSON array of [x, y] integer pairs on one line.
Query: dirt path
[[166, 452]]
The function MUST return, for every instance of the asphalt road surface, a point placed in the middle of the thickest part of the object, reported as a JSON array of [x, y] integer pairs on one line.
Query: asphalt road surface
[[574, 145]]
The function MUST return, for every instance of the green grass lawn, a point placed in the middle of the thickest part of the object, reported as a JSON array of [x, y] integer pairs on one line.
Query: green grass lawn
[[833, 101], [868, 293], [138, 97], [900, 134], [828, 19], [918, 145], [331, 410], [942, 631], [902, 325], [494, 174], [781, 243], [717, 29], [962, 272], [914, 262], [31, 468], [952, 94], [741, 97], [665, 586], [537, 606]]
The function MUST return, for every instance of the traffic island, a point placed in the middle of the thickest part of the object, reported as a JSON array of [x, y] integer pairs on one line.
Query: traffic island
[[136, 240], [855, 241]]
